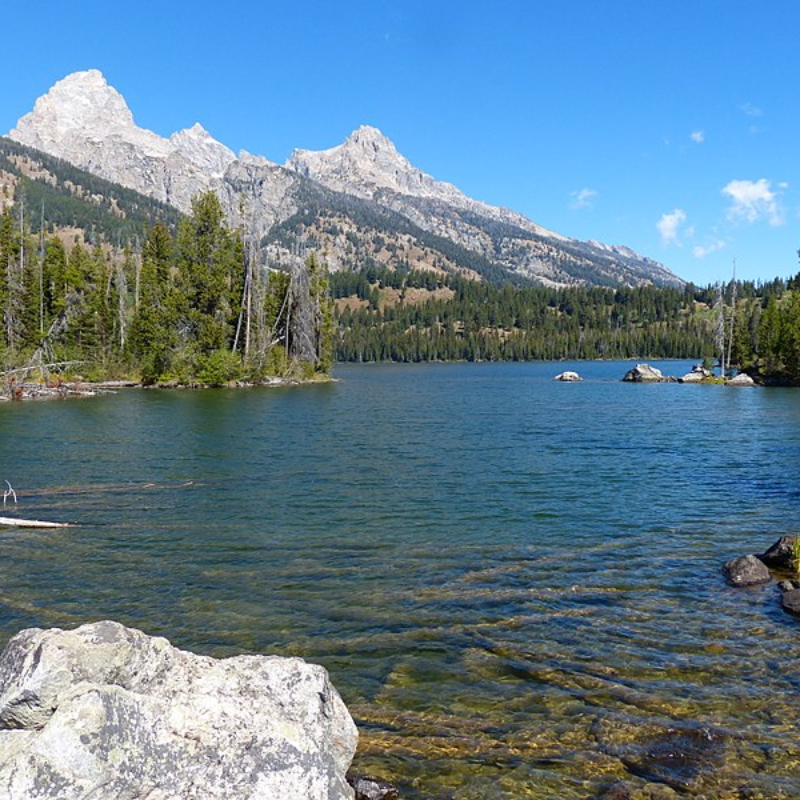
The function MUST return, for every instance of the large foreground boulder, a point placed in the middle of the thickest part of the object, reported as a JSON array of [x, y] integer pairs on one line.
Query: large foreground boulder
[[105, 711]]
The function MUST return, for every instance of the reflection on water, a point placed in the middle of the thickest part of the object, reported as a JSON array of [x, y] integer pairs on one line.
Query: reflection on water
[[514, 583]]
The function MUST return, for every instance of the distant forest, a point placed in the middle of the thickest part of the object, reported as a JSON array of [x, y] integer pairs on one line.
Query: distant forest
[[424, 316]]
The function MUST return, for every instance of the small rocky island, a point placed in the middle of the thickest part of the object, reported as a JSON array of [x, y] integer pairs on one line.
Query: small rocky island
[[568, 376], [644, 373], [105, 711]]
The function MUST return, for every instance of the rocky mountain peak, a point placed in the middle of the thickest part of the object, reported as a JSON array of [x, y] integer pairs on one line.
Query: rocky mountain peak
[[369, 138], [202, 149], [88, 123], [83, 102], [366, 163]]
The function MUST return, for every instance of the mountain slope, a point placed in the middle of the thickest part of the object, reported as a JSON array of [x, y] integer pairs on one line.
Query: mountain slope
[[360, 202], [60, 196]]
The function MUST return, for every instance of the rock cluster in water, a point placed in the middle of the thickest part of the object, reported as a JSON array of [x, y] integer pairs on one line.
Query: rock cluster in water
[[644, 373], [753, 570], [105, 711]]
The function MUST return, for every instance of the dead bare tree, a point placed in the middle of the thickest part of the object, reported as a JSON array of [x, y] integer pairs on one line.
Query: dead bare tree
[[719, 309], [304, 323], [43, 359], [733, 314]]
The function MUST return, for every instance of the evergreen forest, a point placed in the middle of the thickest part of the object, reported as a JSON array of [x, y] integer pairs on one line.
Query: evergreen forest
[[192, 305], [425, 316]]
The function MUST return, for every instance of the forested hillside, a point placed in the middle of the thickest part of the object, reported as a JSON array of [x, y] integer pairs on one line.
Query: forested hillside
[[425, 316], [429, 317], [55, 195], [190, 307]]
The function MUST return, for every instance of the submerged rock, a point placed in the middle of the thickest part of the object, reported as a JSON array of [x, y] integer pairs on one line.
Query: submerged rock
[[108, 712], [746, 571], [680, 756], [367, 788], [568, 376], [644, 373], [790, 600], [781, 554], [627, 790]]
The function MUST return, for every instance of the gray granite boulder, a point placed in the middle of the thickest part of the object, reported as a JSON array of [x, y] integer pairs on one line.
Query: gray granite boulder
[[105, 711], [746, 571], [742, 379], [644, 373], [698, 374]]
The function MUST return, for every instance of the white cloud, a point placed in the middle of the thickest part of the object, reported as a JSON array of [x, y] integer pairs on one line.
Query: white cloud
[[751, 110], [701, 251], [753, 201], [698, 136], [669, 226], [582, 198]]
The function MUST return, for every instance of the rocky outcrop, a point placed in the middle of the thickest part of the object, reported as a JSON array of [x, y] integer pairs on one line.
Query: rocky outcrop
[[742, 379], [568, 376], [644, 373], [746, 571], [105, 711]]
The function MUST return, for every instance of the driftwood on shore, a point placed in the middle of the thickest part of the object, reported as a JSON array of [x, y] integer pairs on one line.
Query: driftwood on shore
[[16, 522]]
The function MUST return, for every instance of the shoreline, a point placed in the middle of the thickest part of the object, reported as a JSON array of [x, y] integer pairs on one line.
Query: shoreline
[[18, 392]]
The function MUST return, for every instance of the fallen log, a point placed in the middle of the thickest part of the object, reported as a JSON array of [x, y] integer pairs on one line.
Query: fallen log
[[16, 522]]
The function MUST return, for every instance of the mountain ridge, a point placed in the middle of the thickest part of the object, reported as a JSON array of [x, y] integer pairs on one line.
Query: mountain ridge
[[86, 122]]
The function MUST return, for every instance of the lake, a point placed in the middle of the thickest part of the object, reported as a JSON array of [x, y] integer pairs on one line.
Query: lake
[[515, 583]]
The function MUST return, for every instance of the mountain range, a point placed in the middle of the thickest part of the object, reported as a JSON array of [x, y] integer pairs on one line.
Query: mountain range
[[360, 203]]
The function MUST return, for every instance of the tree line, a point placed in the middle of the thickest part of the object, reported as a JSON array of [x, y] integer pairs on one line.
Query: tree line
[[765, 341], [484, 322], [478, 321], [195, 305]]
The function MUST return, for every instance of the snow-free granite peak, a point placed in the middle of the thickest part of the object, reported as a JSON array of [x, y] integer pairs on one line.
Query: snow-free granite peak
[[362, 190]]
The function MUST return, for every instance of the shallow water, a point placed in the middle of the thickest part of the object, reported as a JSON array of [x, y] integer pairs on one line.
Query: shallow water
[[515, 583]]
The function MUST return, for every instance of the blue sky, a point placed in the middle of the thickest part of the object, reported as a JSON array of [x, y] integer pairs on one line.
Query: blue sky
[[672, 128]]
